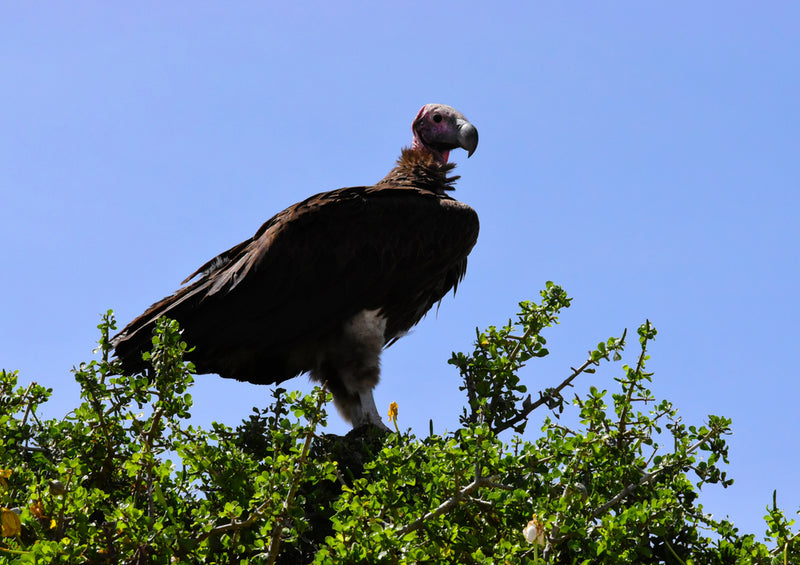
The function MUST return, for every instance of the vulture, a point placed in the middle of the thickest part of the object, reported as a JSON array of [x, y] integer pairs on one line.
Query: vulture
[[325, 285]]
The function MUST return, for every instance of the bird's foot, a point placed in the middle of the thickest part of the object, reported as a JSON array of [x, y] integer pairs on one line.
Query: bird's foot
[[366, 413]]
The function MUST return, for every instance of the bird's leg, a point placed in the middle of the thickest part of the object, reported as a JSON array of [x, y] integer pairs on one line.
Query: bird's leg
[[350, 364], [356, 405], [364, 411]]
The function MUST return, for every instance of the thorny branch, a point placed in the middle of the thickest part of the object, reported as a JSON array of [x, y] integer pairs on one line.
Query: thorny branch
[[451, 502], [546, 397], [629, 393]]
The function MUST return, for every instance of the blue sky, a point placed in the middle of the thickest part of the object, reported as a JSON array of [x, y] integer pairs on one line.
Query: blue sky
[[642, 155]]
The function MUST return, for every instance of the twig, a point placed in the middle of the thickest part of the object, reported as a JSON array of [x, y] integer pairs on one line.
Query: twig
[[523, 339], [672, 552], [28, 406], [783, 548], [647, 477], [27, 411], [60, 522], [448, 504], [629, 394], [528, 406]]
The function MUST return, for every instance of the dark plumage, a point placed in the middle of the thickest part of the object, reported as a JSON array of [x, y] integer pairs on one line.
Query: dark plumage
[[324, 285]]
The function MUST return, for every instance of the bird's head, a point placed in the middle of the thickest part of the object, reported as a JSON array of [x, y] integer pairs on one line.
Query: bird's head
[[439, 128]]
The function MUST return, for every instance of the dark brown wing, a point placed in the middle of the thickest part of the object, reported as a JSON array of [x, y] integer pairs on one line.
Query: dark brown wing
[[258, 310]]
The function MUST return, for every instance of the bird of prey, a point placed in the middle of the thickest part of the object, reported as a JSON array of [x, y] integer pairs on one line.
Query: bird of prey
[[323, 286]]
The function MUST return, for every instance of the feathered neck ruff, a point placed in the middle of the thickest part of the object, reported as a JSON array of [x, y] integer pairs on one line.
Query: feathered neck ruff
[[417, 168]]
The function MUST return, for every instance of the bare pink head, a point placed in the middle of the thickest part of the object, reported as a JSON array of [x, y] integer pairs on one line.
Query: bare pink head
[[439, 128]]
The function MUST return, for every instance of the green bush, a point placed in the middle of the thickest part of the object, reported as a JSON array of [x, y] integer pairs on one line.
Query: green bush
[[124, 478]]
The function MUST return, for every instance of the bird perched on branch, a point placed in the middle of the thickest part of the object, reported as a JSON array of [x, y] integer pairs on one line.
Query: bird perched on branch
[[325, 285]]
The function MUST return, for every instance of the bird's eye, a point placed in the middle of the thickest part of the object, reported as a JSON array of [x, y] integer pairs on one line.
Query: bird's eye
[[437, 118]]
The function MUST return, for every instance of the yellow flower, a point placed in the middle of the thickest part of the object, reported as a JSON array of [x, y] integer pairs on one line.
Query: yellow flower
[[393, 415], [10, 522], [534, 531]]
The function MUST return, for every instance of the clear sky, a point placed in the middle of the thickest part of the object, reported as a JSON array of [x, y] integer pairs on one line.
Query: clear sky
[[645, 156]]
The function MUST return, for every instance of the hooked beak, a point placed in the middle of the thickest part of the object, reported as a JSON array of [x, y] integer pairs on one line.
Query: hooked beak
[[467, 136]]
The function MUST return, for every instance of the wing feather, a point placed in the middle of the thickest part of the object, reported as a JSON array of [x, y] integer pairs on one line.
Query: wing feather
[[255, 310]]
